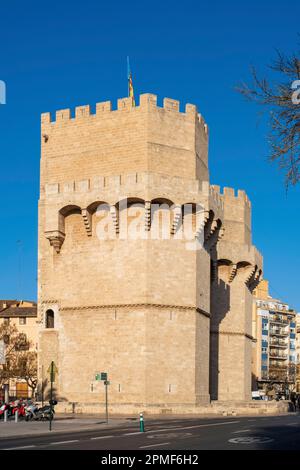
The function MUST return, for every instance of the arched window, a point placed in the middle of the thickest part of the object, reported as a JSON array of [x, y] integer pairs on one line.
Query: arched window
[[49, 319]]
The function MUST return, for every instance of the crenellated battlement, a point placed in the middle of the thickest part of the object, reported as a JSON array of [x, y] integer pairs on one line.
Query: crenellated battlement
[[142, 185], [147, 102], [230, 194]]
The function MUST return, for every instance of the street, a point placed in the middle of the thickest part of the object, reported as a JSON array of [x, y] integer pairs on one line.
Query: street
[[230, 433]]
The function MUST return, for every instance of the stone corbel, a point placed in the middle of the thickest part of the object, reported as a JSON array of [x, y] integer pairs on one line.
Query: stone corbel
[[254, 281], [216, 233], [115, 217], [147, 216], [176, 220], [87, 219], [232, 273], [251, 276], [56, 239]]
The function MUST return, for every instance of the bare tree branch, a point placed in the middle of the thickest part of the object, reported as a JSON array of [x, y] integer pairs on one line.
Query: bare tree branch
[[284, 114]]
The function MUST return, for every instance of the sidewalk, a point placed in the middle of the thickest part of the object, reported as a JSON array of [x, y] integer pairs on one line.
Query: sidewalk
[[61, 424]]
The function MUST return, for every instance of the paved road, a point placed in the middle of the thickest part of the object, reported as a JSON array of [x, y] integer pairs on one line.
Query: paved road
[[238, 433]]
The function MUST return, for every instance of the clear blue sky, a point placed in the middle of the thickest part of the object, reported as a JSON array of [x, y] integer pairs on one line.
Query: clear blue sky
[[61, 54]]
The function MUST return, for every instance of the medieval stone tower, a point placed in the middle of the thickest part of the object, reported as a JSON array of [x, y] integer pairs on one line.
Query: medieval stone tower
[[171, 325]]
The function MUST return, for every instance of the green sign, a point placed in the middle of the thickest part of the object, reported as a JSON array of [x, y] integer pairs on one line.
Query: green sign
[[101, 376]]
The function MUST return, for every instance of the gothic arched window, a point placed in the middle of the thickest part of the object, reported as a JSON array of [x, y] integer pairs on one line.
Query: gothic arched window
[[49, 319]]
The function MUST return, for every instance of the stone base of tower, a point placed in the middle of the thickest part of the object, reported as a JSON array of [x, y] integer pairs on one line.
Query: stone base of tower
[[156, 357], [215, 408]]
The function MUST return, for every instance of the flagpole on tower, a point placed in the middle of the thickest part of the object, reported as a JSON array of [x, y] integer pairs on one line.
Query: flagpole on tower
[[130, 84], [128, 76]]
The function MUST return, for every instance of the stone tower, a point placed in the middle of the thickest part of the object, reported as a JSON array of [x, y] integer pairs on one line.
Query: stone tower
[[147, 310]]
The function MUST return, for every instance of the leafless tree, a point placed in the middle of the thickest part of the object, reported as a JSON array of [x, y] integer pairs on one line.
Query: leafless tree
[[278, 99], [20, 362], [26, 368]]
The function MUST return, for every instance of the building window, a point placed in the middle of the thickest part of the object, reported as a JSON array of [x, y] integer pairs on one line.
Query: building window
[[6, 321], [22, 321], [49, 319]]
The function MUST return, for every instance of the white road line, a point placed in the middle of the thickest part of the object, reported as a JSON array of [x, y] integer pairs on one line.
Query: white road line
[[155, 445], [63, 442], [21, 447], [243, 430], [132, 433], [100, 437], [193, 427]]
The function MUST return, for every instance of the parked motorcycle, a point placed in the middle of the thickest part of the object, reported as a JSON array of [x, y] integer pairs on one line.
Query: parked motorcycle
[[20, 408], [45, 413], [5, 407], [31, 412]]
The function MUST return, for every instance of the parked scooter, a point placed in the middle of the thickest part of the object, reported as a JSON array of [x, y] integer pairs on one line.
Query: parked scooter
[[46, 413], [5, 407], [20, 408], [31, 412]]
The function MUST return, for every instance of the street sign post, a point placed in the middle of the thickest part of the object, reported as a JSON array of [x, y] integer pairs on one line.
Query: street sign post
[[103, 376], [106, 383]]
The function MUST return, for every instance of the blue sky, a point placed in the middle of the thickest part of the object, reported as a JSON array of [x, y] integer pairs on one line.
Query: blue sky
[[63, 54]]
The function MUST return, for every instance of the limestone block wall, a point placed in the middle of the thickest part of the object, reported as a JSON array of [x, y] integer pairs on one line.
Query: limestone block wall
[[239, 271], [138, 309], [129, 139]]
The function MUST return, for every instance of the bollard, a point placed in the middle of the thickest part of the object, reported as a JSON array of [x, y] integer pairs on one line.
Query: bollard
[[16, 416], [5, 416], [142, 427]]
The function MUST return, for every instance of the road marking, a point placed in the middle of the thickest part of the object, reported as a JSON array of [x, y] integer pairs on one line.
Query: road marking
[[250, 440], [244, 430], [132, 433], [63, 442], [179, 435], [193, 427], [21, 447], [155, 445], [100, 437]]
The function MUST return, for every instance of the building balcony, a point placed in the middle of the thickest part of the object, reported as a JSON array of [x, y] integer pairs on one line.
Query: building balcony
[[279, 344], [277, 355], [278, 321], [277, 366], [278, 333], [275, 378]]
